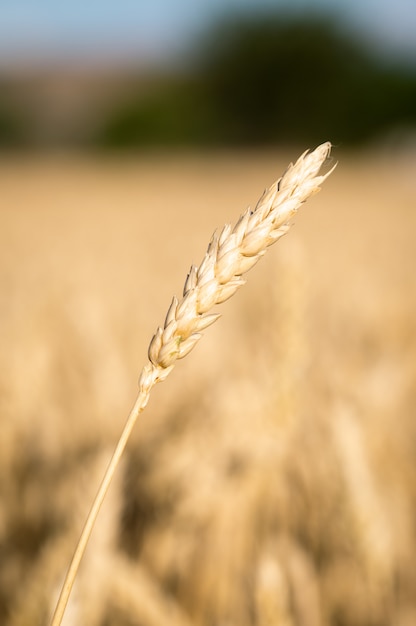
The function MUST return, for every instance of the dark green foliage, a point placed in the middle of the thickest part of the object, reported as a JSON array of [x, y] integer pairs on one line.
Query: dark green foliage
[[301, 81], [250, 81], [172, 114], [269, 81], [11, 128]]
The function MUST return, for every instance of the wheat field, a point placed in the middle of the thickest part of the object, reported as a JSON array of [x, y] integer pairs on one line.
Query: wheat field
[[271, 480]]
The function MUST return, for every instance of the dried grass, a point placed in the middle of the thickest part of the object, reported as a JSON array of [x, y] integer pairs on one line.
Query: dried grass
[[217, 491]]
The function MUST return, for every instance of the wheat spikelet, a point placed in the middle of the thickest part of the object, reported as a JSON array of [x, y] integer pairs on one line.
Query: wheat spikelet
[[370, 523], [272, 593], [230, 254]]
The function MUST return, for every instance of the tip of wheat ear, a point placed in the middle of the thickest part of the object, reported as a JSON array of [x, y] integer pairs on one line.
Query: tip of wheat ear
[[230, 254]]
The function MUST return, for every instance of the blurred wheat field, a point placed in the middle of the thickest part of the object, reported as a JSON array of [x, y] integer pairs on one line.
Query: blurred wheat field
[[271, 480]]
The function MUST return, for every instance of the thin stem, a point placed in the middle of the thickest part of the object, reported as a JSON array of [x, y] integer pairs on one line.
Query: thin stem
[[95, 508]]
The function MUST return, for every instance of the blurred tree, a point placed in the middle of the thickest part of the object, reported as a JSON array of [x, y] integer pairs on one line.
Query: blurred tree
[[284, 80], [12, 133], [270, 80], [172, 113]]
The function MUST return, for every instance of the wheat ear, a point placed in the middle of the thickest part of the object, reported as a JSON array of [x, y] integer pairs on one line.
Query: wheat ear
[[230, 254]]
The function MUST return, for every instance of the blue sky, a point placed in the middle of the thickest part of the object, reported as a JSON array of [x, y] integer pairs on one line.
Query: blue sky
[[82, 29]]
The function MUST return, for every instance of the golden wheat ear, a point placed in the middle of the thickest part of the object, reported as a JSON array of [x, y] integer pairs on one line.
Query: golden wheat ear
[[230, 254]]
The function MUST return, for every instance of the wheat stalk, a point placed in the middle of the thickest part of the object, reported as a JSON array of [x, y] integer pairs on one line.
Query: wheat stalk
[[230, 254]]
